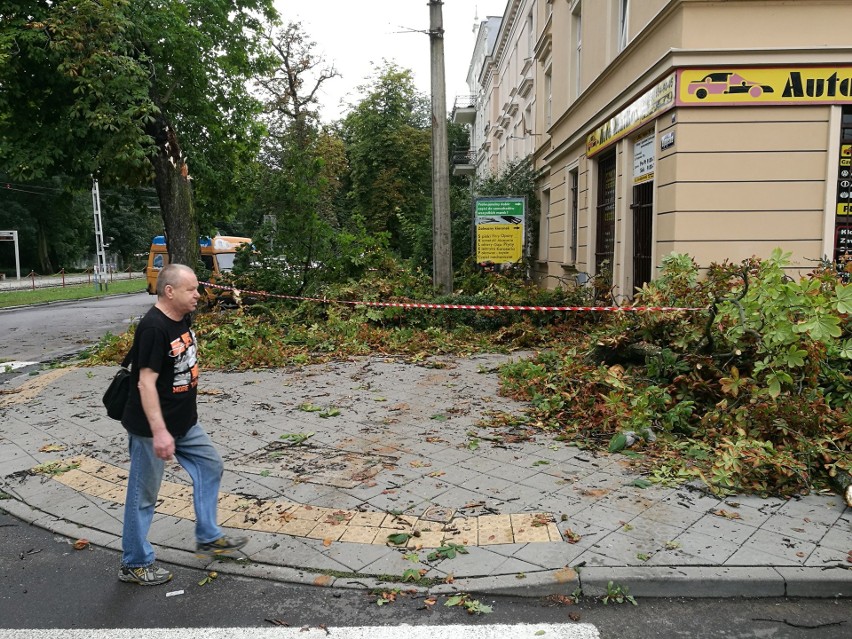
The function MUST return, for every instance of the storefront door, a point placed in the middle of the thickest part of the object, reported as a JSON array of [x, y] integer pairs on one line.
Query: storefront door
[[643, 205]]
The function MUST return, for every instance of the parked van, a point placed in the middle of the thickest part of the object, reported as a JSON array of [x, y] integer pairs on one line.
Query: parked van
[[217, 253]]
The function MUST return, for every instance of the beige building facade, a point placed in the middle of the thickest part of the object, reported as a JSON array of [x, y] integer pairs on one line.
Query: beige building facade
[[501, 109], [720, 129]]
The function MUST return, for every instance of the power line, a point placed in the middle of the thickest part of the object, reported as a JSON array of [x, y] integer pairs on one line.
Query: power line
[[32, 185], [8, 187]]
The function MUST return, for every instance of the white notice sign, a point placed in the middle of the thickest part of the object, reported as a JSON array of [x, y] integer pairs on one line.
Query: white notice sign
[[643, 158]]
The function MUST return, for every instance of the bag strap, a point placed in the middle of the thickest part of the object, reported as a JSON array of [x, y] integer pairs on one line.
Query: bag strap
[[129, 356]]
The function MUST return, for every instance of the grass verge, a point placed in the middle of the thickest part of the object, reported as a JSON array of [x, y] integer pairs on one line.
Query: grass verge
[[75, 292]]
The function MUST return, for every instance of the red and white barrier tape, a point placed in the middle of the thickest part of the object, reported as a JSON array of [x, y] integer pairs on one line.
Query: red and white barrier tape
[[463, 307]]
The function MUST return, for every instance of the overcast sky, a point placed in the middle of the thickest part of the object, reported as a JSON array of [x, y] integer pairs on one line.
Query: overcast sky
[[353, 34]]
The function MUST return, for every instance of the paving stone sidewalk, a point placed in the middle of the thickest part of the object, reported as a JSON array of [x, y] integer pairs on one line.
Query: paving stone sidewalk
[[324, 463]]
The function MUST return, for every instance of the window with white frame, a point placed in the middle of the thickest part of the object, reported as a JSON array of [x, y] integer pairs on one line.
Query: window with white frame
[[530, 35], [623, 23], [544, 226], [577, 34], [548, 96]]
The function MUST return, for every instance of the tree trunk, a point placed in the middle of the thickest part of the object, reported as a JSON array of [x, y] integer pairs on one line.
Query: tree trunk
[[42, 250], [172, 181]]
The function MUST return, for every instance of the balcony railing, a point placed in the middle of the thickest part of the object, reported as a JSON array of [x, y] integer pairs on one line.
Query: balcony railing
[[464, 161], [465, 102], [463, 156], [464, 109]]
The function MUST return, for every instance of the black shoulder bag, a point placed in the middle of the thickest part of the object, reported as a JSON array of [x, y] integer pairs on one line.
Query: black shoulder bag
[[118, 390]]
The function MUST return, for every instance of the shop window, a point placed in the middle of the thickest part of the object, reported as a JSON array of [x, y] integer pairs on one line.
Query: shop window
[[843, 217], [846, 125], [605, 220]]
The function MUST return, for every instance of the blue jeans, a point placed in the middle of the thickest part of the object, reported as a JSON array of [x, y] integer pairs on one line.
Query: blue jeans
[[195, 452]]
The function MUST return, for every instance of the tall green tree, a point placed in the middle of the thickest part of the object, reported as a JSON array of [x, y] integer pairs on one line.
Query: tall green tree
[[295, 180], [134, 91], [388, 141]]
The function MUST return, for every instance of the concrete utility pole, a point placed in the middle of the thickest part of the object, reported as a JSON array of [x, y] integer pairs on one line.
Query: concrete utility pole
[[442, 249]]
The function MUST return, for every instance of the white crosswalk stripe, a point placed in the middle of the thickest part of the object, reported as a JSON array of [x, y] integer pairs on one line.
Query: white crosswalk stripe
[[520, 631]]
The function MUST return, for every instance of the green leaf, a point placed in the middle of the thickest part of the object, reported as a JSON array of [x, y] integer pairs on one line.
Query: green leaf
[[844, 298], [412, 574], [641, 483], [821, 328], [297, 438], [618, 442], [447, 551], [774, 386], [795, 357], [455, 600], [399, 539], [310, 408]]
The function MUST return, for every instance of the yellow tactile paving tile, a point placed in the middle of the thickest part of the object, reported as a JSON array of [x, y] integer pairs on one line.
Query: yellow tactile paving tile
[[171, 506], [236, 520], [495, 529], [32, 388], [270, 523], [298, 527], [528, 528], [428, 539], [108, 482], [84, 482], [327, 531], [360, 534], [370, 520], [464, 531]]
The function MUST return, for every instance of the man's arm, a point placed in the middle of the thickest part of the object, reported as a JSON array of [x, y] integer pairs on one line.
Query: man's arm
[[164, 443]]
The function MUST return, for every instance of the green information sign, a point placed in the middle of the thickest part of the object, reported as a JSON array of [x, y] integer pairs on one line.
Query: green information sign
[[498, 207], [500, 229]]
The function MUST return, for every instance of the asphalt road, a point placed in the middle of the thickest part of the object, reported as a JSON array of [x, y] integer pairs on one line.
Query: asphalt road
[[51, 332], [45, 583]]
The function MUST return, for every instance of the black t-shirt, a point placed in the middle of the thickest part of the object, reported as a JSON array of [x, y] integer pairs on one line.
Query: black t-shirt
[[168, 348]]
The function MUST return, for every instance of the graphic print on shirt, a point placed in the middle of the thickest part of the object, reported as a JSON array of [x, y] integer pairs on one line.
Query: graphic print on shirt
[[185, 354]]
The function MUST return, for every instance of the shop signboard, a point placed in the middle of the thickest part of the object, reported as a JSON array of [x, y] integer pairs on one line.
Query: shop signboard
[[500, 229], [658, 99], [758, 86]]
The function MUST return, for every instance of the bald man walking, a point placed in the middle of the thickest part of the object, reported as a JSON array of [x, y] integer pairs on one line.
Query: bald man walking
[[161, 419]]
